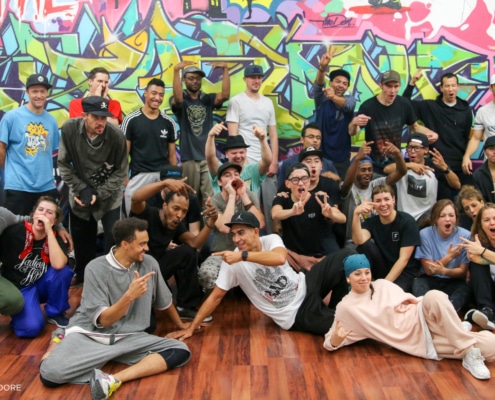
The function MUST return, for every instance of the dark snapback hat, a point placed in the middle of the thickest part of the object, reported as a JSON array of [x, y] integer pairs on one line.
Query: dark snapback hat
[[244, 218], [38, 79], [96, 105]]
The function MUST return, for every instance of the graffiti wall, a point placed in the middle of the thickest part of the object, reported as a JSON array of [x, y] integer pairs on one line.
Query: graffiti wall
[[139, 40]]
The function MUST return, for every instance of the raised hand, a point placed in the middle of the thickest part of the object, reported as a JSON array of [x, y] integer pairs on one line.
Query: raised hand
[[210, 212], [217, 129], [139, 285]]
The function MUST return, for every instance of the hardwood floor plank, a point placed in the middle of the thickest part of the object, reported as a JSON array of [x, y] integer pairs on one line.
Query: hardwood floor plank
[[243, 355]]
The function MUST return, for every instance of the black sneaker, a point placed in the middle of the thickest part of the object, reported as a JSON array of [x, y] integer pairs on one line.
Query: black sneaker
[[59, 320], [189, 314], [484, 318]]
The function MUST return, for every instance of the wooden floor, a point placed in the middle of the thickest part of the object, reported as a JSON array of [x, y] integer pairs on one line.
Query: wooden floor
[[243, 355]]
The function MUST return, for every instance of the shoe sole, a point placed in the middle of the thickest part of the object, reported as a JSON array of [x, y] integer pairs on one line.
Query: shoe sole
[[207, 319], [53, 322], [482, 321], [95, 388]]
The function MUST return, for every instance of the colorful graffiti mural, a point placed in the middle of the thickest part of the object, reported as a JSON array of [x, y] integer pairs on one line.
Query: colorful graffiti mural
[[138, 40]]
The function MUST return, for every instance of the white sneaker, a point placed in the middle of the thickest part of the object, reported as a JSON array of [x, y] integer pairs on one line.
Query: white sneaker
[[473, 361], [468, 326]]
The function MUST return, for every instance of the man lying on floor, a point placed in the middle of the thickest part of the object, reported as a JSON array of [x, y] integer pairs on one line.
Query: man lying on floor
[[259, 266]]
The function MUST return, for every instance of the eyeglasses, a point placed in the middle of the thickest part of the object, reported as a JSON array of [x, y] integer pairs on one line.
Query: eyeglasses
[[296, 180], [311, 137], [414, 148]]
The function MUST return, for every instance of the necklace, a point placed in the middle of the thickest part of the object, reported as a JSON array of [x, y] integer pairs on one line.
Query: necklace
[[91, 143]]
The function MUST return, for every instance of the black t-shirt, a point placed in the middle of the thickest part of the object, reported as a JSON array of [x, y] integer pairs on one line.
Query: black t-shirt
[[303, 233], [386, 123], [26, 272], [159, 235], [403, 231], [330, 187]]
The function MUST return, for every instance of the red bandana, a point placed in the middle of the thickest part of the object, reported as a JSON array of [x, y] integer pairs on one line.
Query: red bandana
[[28, 245]]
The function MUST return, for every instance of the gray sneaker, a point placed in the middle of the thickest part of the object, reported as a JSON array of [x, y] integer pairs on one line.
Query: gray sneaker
[[189, 314], [102, 385], [473, 361]]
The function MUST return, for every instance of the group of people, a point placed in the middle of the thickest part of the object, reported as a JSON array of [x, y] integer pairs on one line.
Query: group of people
[[288, 233]]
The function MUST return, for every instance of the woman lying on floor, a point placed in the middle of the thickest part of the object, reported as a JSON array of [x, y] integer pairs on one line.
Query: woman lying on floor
[[425, 327]]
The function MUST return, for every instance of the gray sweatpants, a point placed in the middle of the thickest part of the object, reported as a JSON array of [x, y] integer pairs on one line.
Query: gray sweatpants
[[74, 359]]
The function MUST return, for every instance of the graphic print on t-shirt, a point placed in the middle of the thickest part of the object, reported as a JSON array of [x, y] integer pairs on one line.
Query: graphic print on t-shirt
[[37, 138], [416, 186], [275, 286], [196, 115]]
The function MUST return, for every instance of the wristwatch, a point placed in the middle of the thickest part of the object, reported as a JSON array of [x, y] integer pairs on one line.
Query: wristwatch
[[244, 255], [446, 171]]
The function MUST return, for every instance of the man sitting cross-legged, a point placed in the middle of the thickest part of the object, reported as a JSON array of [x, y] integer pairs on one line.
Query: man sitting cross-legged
[[119, 292]]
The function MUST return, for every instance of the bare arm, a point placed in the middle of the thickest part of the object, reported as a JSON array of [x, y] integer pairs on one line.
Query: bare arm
[[172, 313], [207, 308], [233, 128], [172, 154], [473, 144], [198, 241], [358, 122], [432, 267], [224, 95], [404, 256], [229, 211], [431, 135], [272, 133], [268, 258], [452, 178], [266, 152], [211, 150], [322, 69], [3, 153], [58, 259], [359, 234], [178, 94], [139, 197], [400, 165]]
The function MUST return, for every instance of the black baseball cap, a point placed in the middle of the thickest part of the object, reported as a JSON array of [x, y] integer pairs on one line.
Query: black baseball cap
[[244, 218], [38, 79], [171, 172], [419, 138], [96, 105], [490, 142], [310, 151], [253, 70], [339, 72], [227, 165]]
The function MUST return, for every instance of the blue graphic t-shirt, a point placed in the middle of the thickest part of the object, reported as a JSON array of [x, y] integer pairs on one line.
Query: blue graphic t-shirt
[[31, 140]]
